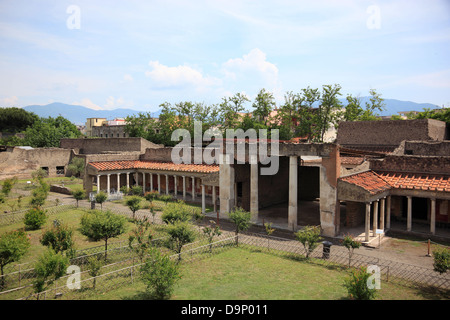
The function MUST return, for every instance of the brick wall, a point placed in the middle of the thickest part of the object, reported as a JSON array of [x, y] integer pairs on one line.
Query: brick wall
[[414, 164]]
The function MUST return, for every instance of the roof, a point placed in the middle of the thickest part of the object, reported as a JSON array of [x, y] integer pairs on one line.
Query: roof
[[417, 181], [369, 181], [379, 181], [153, 165]]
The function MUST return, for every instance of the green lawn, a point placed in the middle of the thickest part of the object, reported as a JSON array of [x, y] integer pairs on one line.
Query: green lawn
[[244, 274]]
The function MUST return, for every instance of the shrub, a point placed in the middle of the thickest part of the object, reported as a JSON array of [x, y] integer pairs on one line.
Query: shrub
[[7, 186], [125, 190], [35, 218], [134, 204], [49, 267], [13, 245], [351, 244], [357, 286], [101, 197], [241, 219], [180, 233], [78, 195], [59, 238], [309, 236], [94, 265], [441, 261], [151, 195], [166, 198], [174, 212], [136, 190]]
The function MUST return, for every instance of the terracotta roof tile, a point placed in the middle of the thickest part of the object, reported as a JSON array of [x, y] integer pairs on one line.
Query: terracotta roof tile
[[153, 165], [428, 182], [369, 181]]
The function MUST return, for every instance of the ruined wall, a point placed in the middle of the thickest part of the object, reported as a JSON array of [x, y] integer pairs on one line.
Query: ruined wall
[[414, 164], [389, 132], [105, 145], [427, 148], [17, 162]]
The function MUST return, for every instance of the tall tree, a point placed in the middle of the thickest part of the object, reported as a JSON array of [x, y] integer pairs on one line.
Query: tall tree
[[262, 106], [327, 114], [16, 119]]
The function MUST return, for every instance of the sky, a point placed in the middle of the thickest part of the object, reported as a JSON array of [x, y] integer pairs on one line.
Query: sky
[[140, 54]]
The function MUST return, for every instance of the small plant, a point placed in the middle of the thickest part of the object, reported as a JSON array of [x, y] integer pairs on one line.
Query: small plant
[[13, 246], [174, 212], [241, 219], [136, 190], [125, 190], [40, 194], [309, 236], [351, 244], [165, 198], [441, 260], [59, 238], [50, 267], [35, 218], [180, 233], [152, 211], [357, 285], [101, 197], [211, 231], [269, 231], [94, 265], [142, 237], [151, 195], [134, 204], [78, 194], [7, 186]]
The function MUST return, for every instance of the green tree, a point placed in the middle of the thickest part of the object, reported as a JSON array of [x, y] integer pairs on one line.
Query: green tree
[[376, 104], [351, 244], [40, 193], [94, 265], [76, 166], [50, 267], [134, 204], [13, 246], [151, 195], [59, 238], [7, 185], [353, 109], [35, 218], [262, 106], [327, 113], [174, 212], [356, 285], [47, 132], [230, 108], [101, 197], [14, 119], [140, 239], [309, 236], [241, 220], [100, 225], [78, 194], [159, 275], [180, 233], [211, 231]]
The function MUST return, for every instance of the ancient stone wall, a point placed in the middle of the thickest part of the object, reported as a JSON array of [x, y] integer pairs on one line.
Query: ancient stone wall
[[105, 145]]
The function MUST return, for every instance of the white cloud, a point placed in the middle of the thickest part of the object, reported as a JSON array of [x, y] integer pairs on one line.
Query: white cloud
[[128, 77], [180, 76], [114, 103], [88, 104], [8, 102]]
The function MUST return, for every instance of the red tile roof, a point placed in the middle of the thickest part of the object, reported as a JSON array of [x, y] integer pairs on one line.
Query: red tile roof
[[367, 180], [417, 181], [153, 165]]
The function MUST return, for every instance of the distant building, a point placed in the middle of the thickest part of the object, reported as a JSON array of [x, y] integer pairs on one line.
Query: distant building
[[91, 123], [102, 128]]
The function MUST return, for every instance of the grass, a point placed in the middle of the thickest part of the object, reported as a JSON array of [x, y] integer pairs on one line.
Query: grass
[[244, 274]]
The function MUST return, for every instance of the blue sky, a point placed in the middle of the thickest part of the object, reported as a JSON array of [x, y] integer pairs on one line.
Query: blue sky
[[139, 54]]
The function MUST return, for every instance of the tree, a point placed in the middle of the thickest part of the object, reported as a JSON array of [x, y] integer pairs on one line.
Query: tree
[[13, 246], [211, 231], [47, 132], [76, 166], [441, 261], [160, 275], [241, 219], [351, 244], [78, 194], [35, 218], [136, 190], [375, 104], [327, 113], [40, 194], [7, 185], [94, 265], [180, 233], [100, 225], [353, 110], [101, 197], [262, 106], [143, 238], [50, 267], [59, 238], [151, 195], [356, 285], [16, 119], [134, 204], [309, 236], [174, 212], [230, 109]]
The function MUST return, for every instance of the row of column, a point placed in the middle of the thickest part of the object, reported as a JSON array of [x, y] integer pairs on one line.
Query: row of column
[[387, 207], [108, 186]]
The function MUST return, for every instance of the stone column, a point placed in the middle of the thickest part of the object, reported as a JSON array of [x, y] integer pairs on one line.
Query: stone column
[[382, 209], [433, 217], [254, 204], [226, 183], [184, 188], [193, 188], [214, 199], [388, 212], [367, 228], [108, 183], [151, 181], [98, 184], [375, 217], [409, 214], [175, 185], [293, 194], [118, 182], [128, 180], [167, 184], [159, 183], [143, 182], [203, 199]]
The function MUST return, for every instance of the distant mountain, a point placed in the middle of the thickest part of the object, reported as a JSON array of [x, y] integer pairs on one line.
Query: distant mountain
[[79, 114]]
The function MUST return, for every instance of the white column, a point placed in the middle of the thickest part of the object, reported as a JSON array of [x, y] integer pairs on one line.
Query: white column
[[367, 227], [143, 182], [184, 188], [382, 210], [108, 183], [433, 217], [292, 210], [388, 212], [175, 185], [254, 204], [409, 214], [167, 184], [203, 199], [98, 183], [128, 180], [118, 182], [159, 183], [151, 181], [375, 217], [193, 188]]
